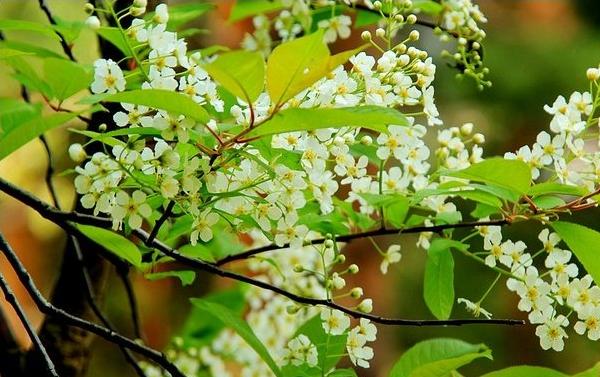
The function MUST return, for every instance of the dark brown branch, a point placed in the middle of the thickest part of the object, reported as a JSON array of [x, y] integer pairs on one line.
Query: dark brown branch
[[37, 343], [370, 233], [64, 219], [47, 308], [131, 298], [166, 214], [87, 280], [63, 41], [49, 171]]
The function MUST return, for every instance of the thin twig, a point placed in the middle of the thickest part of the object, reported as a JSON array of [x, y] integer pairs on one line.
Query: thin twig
[[162, 219], [47, 308], [90, 296], [64, 219], [63, 41], [35, 339], [131, 298]]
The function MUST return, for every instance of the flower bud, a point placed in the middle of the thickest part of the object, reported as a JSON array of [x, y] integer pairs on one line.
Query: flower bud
[[93, 22], [466, 129], [77, 153], [137, 11], [366, 140], [476, 46], [399, 18], [366, 35], [298, 268], [356, 292], [593, 74], [411, 19], [414, 35], [338, 282], [366, 306], [353, 269], [380, 33], [102, 127], [88, 8], [462, 41], [140, 3], [340, 259], [328, 243], [478, 138], [377, 5]]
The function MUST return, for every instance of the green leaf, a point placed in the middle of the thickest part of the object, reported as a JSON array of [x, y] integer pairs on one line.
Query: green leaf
[[512, 174], [395, 212], [555, 188], [584, 242], [69, 29], [116, 38], [548, 201], [430, 7], [186, 277], [113, 242], [65, 77], [343, 373], [6, 53], [201, 328], [246, 8], [14, 112], [240, 72], [181, 14], [437, 358], [22, 25], [27, 76], [33, 49], [172, 102], [297, 119], [329, 351], [525, 371], [365, 18], [295, 65], [231, 319], [438, 286], [13, 138]]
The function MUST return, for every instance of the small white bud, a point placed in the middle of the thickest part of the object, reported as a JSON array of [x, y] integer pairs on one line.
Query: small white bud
[[462, 41], [298, 268], [328, 244], [466, 129], [338, 281], [366, 35], [380, 33], [411, 19], [478, 138], [353, 269], [140, 3], [593, 74], [93, 22], [102, 127], [377, 5], [414, 35], [366, 140], [366, 306], [356, 292], [137, 11], [88, 8], [399, 18], [476, 46], [77, 153], [340, 259]]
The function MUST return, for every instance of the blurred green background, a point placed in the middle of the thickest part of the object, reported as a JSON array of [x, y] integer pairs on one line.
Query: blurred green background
[[536, 50]]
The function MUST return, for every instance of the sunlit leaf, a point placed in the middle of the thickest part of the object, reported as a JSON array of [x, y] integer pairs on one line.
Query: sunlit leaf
[[240, 72], [584, 242], [113, 242]]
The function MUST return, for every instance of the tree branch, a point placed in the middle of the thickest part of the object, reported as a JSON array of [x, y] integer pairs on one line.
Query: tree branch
[[135, 317], [63, 41], [64, 219], [37, 343], [49, 309]]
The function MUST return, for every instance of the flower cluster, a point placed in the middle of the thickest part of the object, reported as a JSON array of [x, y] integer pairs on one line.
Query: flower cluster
[[292, 188]]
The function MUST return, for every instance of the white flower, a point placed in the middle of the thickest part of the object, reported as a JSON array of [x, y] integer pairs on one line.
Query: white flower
[[334, 321], [134, 117], [133, 207], [161, 14], [515, 257], [366, 329], [357, 351], [589, 321], [202, 227], [474, 308], [552, 332], [582, 293], [300, 350], [533, 292], [108, 77], [335, 26], [363, 63], [493, 244], [288, 232], [392, 255]]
